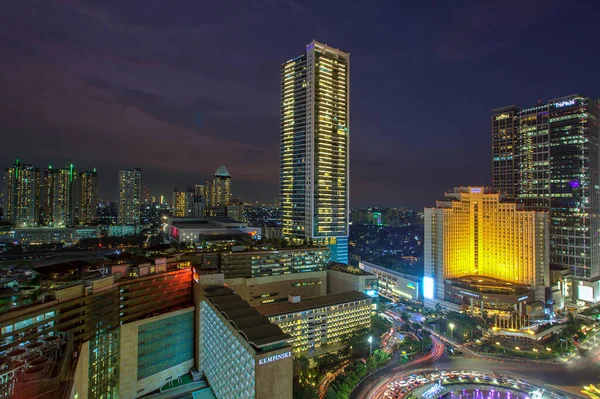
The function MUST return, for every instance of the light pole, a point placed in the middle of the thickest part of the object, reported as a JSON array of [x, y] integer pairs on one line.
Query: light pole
[[370, 340], [451, 325]]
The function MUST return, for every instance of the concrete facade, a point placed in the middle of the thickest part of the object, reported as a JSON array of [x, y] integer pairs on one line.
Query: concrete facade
[[263, 290], [81, 378]]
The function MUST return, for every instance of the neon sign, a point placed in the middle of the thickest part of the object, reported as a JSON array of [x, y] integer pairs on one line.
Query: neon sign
[[475, 190], [502, 116], [565, 103], [273, 358]]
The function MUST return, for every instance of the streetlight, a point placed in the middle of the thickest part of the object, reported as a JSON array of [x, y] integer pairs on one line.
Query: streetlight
[[451, 325], [370, 340]]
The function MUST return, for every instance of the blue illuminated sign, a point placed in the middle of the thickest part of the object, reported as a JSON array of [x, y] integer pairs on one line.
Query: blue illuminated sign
[[565, 103], [371, 293]]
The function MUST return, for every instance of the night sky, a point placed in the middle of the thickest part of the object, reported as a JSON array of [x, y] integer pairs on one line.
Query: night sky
[[176, 87]]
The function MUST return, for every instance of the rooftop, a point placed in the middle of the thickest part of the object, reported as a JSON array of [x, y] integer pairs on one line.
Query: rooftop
[[341, 267], [206, 223], [314, 302], [254, 327], [222, 172]]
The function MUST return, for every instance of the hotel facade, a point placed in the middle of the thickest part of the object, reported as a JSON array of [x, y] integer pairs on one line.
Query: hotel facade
[[482, 253]]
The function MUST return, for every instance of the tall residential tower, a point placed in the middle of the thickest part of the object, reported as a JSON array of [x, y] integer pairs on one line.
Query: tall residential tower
[[87, 197], [130, 196], [314, 155], [21, 195]]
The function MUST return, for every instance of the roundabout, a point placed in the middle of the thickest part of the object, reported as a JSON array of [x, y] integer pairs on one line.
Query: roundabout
[[434, 384]]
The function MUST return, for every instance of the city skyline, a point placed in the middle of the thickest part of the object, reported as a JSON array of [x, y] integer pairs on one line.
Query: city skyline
[[147, 94]]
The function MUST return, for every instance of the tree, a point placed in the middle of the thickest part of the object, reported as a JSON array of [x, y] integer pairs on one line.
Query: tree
[[371, 364], [302, 362]]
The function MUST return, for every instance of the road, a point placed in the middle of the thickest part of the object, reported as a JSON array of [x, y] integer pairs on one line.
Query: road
[[379, 385], [570, 377]]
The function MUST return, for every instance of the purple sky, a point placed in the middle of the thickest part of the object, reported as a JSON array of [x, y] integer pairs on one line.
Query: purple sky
[[176, 87]]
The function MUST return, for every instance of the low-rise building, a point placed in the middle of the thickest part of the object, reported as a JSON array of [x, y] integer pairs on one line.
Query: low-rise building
[[193, 230], [394, 285], [319, 321], [242, 354], [249, 264], [271, 289]]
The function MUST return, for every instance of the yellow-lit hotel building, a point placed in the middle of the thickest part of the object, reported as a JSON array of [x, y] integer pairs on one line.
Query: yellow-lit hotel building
[[483, 253], [314, 155]]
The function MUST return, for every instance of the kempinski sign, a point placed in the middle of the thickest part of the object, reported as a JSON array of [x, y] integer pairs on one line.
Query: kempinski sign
[[273, 358]]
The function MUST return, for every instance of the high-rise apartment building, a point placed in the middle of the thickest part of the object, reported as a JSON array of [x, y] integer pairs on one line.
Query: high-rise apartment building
[[181, 203], [314, 158], [21, 195], [218, 192], [474, 238], [87, 197], [556, 169], [59, 196], [130, 194]]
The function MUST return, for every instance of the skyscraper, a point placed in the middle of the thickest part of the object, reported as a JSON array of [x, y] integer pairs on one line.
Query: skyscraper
[[59, 196], [182, 202], [21, 195], [505, 122], [218, 192], [87, 197], [314, 159], [130, 195], [557, 170]]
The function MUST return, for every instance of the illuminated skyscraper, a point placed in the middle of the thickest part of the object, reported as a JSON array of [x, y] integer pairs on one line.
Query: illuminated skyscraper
[[505, 124], [218, 192], [59, 196], [21, 195], [474, 233], [87, 197], [130, 195], [182, 203], [314, 157], [556, 154]]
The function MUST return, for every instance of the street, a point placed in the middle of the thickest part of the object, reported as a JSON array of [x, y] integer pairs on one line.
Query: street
[[569, 377]]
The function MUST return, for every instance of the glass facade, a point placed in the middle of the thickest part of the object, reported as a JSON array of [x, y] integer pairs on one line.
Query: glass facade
[[555, 150], [103, 365], [165, 343]]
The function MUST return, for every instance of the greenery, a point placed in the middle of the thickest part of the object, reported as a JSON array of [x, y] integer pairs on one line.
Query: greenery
[[354, 373], [466, 328]]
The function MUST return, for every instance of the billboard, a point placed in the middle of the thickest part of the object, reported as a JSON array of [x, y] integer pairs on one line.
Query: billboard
[[427, 287], [586, 293]]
